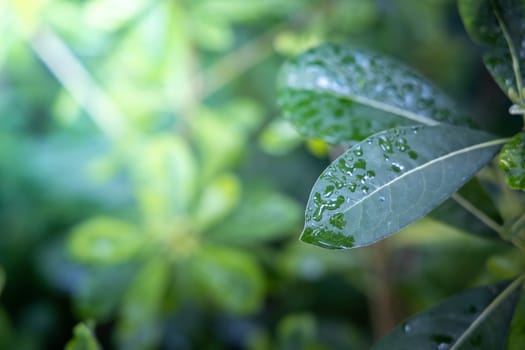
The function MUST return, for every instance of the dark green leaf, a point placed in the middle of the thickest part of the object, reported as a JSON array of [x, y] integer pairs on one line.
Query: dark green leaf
[[517, 327], [341, 94], [391, 179], [512, 161], [464, 211], [475, 319], [498, 24], [83, 339]]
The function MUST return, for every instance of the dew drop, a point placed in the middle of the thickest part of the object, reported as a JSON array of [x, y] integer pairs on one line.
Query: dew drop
[[365, 189], [352, 187], [381, 199], [406, 326], [358, 151], [396, 167], [360, 164]]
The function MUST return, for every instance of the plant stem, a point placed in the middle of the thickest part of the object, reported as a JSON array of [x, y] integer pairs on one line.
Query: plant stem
[[382, 307], [484, 218], [76, 79]]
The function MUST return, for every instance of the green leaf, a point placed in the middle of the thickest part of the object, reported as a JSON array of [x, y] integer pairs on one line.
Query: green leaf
[[498, 24], [104, 240], [230, 279], [517, 327], [261, 216], [476, 319], [391, 179], [83, 338], [218, 199], [512, 162], [139, 326], [465, 210], [165, 173], [341, 94]]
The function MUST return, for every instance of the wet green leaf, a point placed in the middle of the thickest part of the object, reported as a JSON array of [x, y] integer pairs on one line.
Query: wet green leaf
[[104, 240], [83, 338], [498, 25], [230, 279], [391, 179], [341, 94], [476, 319], [512, 161]]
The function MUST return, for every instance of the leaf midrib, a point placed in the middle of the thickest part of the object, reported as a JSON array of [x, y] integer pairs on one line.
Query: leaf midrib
[[429, 163]]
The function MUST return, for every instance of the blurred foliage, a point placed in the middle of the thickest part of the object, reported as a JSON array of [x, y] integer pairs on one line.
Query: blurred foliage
[[143, 184]]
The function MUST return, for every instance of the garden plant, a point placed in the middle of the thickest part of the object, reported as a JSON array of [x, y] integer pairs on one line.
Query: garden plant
[[406, 149]]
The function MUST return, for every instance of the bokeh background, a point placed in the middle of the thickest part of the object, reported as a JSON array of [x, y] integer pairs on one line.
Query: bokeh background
[[150, 188]]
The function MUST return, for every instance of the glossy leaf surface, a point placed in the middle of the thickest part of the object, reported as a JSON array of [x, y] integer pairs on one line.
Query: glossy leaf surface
[[340, 94], [498, 24], [512, 162], [391, 179], [475, 319]]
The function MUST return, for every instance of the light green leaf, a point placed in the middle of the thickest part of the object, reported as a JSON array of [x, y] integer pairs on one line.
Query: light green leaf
[[139, 326], [104, 240], [475, 319], [391, 179], [218, 199], [512, 162], [165, 174], [83, 338], [262, 216], [230, 279], [498, 24], [341, 94]]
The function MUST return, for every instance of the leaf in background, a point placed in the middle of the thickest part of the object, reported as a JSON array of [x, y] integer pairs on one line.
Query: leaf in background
[[517, 327], [498, 24], [261, 216], [279, 137], [83, 338], [475, 319], [391, 179], [218, 199], [165, 173], [341, 94], [228, 278], [104, 240], [512, 162], [460, 216], [139, 326]]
